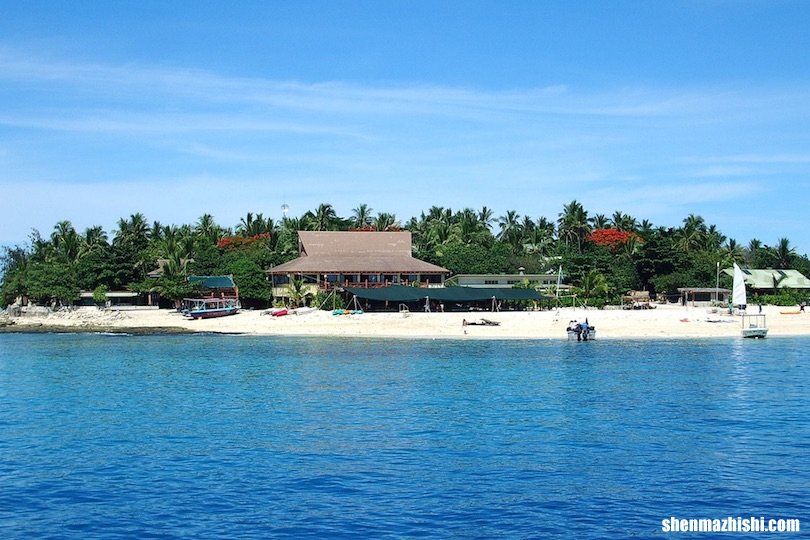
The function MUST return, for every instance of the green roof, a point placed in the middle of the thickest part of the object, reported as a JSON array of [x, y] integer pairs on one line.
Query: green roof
[[213, 282], [764, 279], [400, 293]]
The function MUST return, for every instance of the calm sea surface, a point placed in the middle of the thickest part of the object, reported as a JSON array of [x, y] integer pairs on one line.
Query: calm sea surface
[[257, 437]]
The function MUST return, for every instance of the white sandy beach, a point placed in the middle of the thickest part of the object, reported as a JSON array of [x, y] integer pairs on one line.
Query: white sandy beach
[[663, 322]]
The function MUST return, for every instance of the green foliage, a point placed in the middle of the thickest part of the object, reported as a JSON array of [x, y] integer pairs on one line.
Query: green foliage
[[659, 259], [254, 288], [328, 302], [94, 269], [100, 294], [784, 297], [207, 259], [52, 281], [298, 293], [476, 259]]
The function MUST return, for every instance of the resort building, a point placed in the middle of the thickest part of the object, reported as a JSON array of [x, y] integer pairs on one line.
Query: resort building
[[215, 286], [365, 259], [769, 279], [540, 282], [119, 300], [703, 296]]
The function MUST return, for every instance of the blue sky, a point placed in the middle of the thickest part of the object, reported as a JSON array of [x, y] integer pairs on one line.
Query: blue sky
[[176, 109]]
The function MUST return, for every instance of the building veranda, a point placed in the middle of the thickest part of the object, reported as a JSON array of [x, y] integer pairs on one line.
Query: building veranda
[[363, 259]]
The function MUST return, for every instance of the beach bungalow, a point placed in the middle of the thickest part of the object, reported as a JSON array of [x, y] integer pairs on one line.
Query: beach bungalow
[[367, 259], [703, 296], [119, 300], [216, 286], [505, 281]]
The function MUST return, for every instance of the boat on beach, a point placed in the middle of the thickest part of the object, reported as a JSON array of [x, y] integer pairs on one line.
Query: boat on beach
[[578, 331], [208, 308], [753, 326]]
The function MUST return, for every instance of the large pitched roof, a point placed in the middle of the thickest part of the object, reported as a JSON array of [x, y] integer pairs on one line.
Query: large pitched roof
[[764, 279], [356, 252]]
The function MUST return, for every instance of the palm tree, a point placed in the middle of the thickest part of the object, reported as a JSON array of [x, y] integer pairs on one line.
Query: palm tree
[[66, 242], [468, 228], [323, 219], [486, 216], [253, 226], [646, 228], [573, 224], [93, 240], [593, 284], [546, 225], [510, 230], [624, 222], [713, 239], [691, 236], [298, 292], [386, 222], [538, 242], [207, 228], [752, 252], [600, 221], [732, 252], [783, 254], [361, 216], [133, 232]]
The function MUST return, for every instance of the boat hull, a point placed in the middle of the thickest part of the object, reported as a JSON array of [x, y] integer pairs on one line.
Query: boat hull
[[211, 313], [755, 333], [754, 326], [573, 335]]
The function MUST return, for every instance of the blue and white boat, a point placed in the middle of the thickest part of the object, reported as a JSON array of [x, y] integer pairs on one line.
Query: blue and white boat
[[208, 308]]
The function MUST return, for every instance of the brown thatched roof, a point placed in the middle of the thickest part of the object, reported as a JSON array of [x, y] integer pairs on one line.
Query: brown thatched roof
[[355, 252]]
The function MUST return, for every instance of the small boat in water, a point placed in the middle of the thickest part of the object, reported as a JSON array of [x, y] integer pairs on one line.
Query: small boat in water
[[753, 326], [208, 308], [581, 331]]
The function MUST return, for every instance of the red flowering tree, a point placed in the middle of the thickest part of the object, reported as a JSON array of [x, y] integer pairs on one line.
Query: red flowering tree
[[236, 242], [612, 239]]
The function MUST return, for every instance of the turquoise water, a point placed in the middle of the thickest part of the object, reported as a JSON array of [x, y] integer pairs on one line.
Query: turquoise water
[[257, 437]]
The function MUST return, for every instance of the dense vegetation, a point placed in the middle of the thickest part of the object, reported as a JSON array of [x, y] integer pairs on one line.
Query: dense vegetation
[[603, 257]]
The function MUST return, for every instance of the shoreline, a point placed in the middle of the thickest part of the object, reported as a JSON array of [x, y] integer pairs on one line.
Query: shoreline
[[665, 322]]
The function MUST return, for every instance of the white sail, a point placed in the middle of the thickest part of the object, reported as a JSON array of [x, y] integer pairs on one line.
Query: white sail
[[738, 297]]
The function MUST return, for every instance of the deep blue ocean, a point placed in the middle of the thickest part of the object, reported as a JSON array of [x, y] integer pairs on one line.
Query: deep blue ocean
[[203, 436]]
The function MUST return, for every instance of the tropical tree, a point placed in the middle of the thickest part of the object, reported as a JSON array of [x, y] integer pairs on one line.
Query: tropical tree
[[731, 252], [692, 235], [486, 216], [624, 222], [251, 225], [298, 292], [386, 222], [323, 219], [361, 216], [573, 225], [510, 231], [207, 228], [66, 242], [600, 221], [593, 285], [94, 240], [782, 254]]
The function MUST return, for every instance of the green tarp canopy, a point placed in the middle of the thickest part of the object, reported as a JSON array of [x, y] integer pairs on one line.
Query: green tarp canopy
[[400, 293], [213, 282]]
